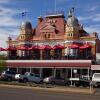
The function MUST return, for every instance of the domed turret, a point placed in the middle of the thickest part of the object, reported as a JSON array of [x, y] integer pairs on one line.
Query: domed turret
[[72, 20], [26, 25]]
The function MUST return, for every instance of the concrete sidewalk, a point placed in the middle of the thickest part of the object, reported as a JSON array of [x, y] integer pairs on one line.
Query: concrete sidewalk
[[55, 89]]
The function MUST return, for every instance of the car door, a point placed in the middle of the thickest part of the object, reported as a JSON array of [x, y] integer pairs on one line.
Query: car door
[[59, 81], [31, 78], [37, 78]]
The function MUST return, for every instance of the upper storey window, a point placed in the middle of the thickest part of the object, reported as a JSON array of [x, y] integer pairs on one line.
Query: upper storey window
[[46, 36]]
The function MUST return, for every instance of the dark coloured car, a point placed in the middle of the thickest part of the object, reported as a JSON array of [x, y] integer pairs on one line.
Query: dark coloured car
[[53, 80], [8, 75], [84, 81]]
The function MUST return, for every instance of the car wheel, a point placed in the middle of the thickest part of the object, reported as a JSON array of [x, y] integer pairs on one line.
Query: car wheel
[[53, 83], [84, 85], [41, 82], [77, 85], [9, 79], [25, 80]]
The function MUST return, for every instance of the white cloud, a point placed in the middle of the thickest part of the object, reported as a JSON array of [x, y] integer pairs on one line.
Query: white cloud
[[93, 8], [94, 18], [4, 1], [7, 24], [84, 18], [93, 28], [3, 38]]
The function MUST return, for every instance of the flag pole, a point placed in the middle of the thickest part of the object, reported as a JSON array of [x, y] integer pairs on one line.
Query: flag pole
[[55, 6]]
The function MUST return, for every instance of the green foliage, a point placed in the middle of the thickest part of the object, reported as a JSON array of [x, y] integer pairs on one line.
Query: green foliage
[[2, 57], [2, 62]]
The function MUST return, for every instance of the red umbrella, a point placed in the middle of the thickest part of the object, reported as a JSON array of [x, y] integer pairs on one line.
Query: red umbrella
[[85, 46], [58, 47], [2, 49], [73, 46], [22, 47], [11, 48], [36, 47], [48, 47]]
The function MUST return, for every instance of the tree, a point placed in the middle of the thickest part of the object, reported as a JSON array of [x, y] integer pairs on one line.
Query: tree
[[2, 62]]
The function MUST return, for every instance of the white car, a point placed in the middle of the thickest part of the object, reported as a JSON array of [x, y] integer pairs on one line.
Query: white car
[[96, 79], [17, 76], [29, 77]]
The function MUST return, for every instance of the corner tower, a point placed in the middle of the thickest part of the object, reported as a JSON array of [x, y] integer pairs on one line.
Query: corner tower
[[25, 31], [72, 26]]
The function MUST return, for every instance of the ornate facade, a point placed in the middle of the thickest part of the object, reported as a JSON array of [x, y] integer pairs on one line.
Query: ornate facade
[[54, 37]]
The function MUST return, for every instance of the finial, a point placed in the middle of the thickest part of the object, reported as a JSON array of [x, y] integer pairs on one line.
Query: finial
[[73, 9], [70, 13]]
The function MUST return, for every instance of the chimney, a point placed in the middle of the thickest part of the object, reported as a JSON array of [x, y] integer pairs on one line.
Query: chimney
[[40, 19]]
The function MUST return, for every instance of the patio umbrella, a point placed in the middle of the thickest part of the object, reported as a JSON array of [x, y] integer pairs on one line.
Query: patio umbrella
[[2, 49], [11, 48], [36, 47], [22, 48], [48, 47], [58, 47], [85, 46]]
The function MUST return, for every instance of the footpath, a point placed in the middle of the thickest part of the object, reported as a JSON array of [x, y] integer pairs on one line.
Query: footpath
[[59, 89]]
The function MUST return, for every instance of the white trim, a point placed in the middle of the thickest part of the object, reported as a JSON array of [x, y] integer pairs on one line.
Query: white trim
[[48, 61]]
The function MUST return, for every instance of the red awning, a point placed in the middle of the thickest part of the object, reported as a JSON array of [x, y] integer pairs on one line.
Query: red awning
[[49, 64], [85, 46], [22, 48], [2, 49], [58, 47], [10, 48], [73, 46]]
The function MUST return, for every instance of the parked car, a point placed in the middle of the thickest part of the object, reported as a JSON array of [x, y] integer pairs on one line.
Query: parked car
[[96, 79], [74, 80], [28, 77], [17, 76], [8, 75], [84, 81], [54, 80]]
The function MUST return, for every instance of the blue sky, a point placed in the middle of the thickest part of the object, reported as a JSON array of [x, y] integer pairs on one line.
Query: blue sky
[[87, 11]]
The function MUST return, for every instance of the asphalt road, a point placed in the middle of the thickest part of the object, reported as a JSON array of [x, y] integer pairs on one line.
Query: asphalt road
[[29, 94]]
